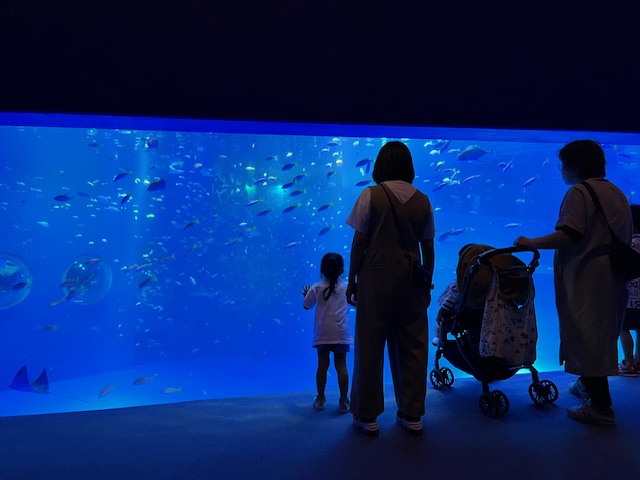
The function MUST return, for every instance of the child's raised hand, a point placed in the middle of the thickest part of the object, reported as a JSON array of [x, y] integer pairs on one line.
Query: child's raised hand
[[305, 289]]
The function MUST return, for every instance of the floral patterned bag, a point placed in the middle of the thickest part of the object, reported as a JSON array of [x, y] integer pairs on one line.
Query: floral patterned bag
[[509, 330]]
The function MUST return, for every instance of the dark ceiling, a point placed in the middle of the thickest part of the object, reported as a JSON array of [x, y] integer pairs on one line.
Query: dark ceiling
[[496, 64]]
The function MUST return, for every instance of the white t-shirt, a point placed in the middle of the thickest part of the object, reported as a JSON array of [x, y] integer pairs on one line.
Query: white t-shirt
[[634, 285], [331, 319], [403, 191]]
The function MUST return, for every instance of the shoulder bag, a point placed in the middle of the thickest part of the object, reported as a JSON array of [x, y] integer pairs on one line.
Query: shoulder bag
[[625, 261], [419, 275]]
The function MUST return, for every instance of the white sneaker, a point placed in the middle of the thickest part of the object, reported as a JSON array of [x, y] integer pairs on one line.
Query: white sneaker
[[369, 427], [588, 414], [319, 402], [413, 427], [577, 388]]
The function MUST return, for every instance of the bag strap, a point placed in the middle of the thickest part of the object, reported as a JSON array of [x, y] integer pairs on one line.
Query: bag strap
[[395, 219], [596, 201]]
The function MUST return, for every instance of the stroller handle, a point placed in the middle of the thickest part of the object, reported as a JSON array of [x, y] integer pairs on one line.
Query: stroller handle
[[485, 256]]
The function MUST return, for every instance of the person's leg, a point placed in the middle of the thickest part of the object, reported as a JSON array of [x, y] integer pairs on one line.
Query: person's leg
[[321, 372], [599, 389], [636, 355], [340, 361], [372, 315], [626, 341], [408, 353]]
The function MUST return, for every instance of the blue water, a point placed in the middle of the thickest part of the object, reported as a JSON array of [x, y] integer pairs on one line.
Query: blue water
[[196, 286]]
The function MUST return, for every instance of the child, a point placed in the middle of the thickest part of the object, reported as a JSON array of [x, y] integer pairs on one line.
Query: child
[[331, 330], [448, 301], [630, 364]]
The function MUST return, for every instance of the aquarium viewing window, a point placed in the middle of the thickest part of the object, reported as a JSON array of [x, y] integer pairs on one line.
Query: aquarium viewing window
[[154, 260]]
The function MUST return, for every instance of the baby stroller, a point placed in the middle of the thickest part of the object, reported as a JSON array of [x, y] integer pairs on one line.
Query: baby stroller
[[493, 325]]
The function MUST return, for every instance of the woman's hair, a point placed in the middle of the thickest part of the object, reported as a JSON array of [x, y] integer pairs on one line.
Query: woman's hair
[[583, 157], [394, 162], [331, 267], [635, 214]]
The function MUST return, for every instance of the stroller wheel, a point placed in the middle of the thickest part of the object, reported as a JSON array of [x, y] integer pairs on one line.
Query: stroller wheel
[[538, 393], [501, 401], [552, 390], [447, 375], [488, 405], [437, 379]]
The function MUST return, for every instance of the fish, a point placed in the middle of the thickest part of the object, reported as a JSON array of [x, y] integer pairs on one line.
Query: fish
[[143, 266], [271, 157], [82, 194], [62, 198], [74, 292], [166, 259], [363, 183], [152, 142], [164, 391], [57, 301], [297, 178], [190, 249], [50, 328], [42, 223], [439, 146], [253, 202], [94, 144], [448, 233], [440, 186], [260, 180], [365, 162], [246, 230], [472, 152], [288, 166], [233, 240], [295, 193], [157, 185], [121, 175], [330, 173], [69, 282], [512, 225], [141, 380], [325, 230], [107, 390], [263, 212], [505, 166], [470, 178], [125, 199], [290, 208], [20, 285], [292, 244], [325, 206], [529, 182], [191, 224], [145, 282], [288, 185]]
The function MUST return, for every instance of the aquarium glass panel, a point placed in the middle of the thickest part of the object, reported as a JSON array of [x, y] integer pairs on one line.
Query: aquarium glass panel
[[157, 260]]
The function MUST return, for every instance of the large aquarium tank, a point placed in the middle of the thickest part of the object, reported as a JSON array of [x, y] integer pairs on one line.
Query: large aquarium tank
[[156, 260]]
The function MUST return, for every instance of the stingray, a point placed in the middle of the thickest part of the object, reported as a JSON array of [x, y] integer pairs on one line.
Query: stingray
[[39, 385]]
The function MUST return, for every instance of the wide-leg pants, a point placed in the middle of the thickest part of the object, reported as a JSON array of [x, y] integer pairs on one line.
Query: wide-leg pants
[[392, 310]]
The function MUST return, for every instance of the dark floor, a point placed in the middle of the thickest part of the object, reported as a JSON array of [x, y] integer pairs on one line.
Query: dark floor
[[283, 437]]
